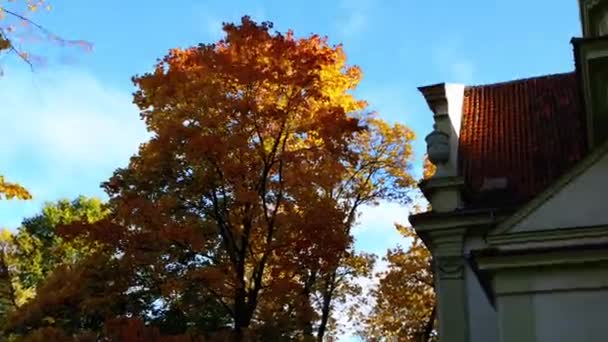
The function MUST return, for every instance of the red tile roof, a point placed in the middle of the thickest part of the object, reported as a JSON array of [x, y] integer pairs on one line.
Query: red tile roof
[[519, 136]]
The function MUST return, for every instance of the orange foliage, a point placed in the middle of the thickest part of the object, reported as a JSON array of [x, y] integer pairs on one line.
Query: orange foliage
[[428, 168], [13, 190], [248, 131], [241, 205], [228, 194]]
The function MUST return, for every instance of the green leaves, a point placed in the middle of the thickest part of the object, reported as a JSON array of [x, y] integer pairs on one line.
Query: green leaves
[[37, 249]]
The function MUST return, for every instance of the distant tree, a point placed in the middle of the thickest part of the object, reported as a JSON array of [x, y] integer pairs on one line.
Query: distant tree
[[31, 253], [379, 171], [8, 298], [38, 247], [404, 300]]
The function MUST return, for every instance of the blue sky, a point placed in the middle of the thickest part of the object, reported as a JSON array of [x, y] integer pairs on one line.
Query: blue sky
[[68, 125]]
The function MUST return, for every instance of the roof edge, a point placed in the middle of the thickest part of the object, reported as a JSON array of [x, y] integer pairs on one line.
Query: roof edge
[[523, 79]]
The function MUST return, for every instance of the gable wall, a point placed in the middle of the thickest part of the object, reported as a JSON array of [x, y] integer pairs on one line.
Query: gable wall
[[580, 203]]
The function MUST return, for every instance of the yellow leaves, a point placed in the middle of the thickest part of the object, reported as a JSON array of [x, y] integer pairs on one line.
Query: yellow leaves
[[248, 189], [405, 297], [5, 236], [428, 168], [13, 190], [250, 134]]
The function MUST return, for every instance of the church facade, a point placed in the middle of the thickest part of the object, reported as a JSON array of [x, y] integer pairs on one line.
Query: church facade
[[519, 221]]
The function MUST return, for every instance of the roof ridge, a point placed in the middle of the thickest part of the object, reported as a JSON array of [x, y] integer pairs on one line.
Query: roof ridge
[[521, 80]]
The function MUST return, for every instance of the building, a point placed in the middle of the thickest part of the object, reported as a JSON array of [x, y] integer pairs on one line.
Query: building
[[519, 221]]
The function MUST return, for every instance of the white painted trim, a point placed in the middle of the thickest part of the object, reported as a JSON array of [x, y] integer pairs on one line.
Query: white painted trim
[[455, 95]]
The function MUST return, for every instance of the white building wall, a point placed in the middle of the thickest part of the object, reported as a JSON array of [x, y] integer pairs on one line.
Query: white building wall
[[571, 316], [580, 203], [483, 319], [558, 304]]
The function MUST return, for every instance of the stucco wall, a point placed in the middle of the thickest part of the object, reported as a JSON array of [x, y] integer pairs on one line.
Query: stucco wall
[[571, 316], [483, 319], [562, 304], [554, 317], [582, 202]]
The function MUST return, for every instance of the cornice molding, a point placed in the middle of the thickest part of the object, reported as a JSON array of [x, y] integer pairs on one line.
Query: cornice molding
[[548, 237], [453, 182], [501, 262]]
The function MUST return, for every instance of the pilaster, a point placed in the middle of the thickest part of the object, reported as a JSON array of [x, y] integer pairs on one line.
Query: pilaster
[[445, 235], [450, 286]]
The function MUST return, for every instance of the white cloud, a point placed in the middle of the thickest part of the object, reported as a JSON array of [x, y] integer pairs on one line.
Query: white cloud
[[381, 218], [374, 233], [63, 133], [366, 303]]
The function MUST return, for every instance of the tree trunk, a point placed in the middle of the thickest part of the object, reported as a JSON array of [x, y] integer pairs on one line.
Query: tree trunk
[[306, 295], [241, 319], [325, 310]]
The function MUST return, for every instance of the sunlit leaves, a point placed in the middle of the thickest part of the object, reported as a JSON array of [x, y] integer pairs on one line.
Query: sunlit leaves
[[428, 168], [237, 213], [13, 190], [251, 133], [404, 298]]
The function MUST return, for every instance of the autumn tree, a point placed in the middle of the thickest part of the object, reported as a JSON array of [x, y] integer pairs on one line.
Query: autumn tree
[[248, 131], [237, 214], [379, 172], [404, 300], [245, 134]]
